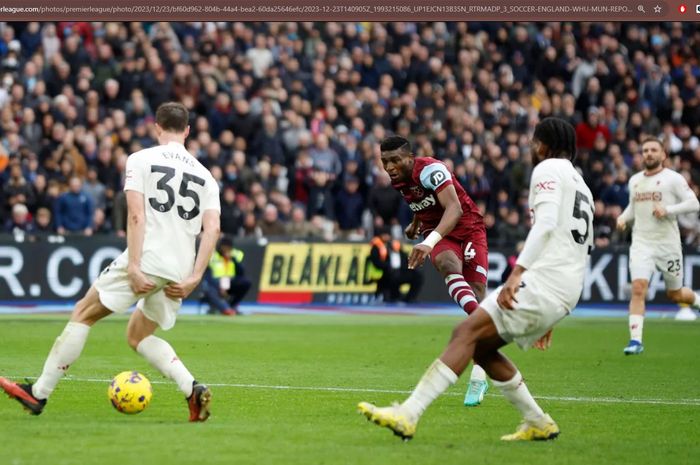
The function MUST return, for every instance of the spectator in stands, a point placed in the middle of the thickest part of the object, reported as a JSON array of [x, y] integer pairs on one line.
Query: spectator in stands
[[511, 231], [586, 131], [231, 215], [270, 224], [100, 222], [74, 210], [20, 221], [95, 189], [349, 207], [320, 200], [42, 221], [16, 189], [327, 95], [299, 228]]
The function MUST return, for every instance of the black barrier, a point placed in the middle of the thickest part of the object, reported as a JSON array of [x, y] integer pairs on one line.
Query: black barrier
[[61, 269]]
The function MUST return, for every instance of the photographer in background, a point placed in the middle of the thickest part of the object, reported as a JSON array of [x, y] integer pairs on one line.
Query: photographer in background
[[389, 268], [225, 283]]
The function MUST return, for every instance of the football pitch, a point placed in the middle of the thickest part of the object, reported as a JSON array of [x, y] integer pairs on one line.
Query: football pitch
[[286, 387]]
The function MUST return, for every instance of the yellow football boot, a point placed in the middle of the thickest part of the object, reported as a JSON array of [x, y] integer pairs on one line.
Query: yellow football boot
[[541, 430], [390, 417]]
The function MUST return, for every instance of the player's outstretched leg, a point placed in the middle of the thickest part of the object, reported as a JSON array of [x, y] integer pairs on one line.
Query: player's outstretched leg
[[162, 356], [65, 351], [476, 388], [403, 418], [23, 394]]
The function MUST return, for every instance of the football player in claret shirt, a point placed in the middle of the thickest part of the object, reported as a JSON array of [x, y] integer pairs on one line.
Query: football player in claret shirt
[[542, 289], [452, 227]]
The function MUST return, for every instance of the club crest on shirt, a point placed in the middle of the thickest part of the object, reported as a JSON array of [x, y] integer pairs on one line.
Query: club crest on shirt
[[417, 191]]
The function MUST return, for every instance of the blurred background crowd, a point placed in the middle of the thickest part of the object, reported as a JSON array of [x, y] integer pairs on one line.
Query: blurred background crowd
[[288, 116]]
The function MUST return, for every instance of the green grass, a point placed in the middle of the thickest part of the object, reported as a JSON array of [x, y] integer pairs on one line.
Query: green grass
[[260, 425]]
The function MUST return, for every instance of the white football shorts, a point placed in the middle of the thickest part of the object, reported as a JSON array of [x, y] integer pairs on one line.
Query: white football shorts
[[113, 288], [666, 258], [535, 313]]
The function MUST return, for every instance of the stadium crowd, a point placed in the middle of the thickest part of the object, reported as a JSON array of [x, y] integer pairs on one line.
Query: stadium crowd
[[287, 116]]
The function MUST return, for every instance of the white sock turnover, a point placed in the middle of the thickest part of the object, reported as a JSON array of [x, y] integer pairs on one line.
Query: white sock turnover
[[64, 352], [696, 302], [478, 374], [162, 356], [434, 382], [636, 327], [519, 395]]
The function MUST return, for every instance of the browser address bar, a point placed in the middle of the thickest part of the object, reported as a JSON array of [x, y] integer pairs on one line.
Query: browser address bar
[[353, 10]]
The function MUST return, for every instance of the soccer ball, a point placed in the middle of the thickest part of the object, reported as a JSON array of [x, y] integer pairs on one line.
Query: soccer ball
[[130, 392]]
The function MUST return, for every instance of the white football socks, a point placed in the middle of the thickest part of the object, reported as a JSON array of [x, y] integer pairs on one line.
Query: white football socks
[[64, 352], [161, 355], [519, 395], [636, 327], [696, 302], [434, 382], [478, 374]]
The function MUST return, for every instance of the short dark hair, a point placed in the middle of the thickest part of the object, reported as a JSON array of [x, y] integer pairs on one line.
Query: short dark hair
[[172, 117], [558, 135], [654, 139], [395, 143], [225, 241]]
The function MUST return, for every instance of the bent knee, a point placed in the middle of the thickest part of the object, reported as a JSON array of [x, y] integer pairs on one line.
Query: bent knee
[[674, 294], [88, 311], [447, 263], [133, 340], [134, 336]]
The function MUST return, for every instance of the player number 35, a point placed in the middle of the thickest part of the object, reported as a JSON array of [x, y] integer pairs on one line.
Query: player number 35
[[184, 191]]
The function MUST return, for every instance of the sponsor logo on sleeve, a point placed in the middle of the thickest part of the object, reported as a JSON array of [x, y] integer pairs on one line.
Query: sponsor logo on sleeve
[[437, 178], [546, 186]]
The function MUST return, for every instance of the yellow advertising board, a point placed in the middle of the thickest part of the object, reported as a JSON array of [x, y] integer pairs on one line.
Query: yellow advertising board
[[314, 268]]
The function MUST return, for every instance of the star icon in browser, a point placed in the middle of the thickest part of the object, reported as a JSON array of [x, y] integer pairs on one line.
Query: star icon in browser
[[657, 9]]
